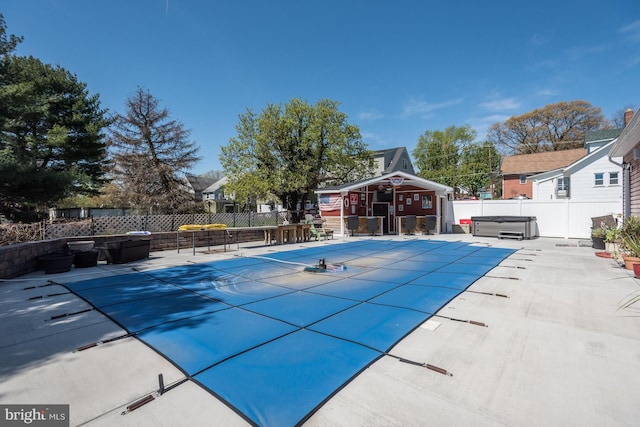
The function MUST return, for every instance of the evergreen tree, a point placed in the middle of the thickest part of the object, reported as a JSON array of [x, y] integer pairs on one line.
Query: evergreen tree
[[151, 156], [51, 140]]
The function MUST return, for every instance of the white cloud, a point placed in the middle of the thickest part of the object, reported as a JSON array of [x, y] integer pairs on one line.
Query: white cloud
[[369, 115], [579, 52], [632, 62], [423, 109], [632, 31], [539, 40], [546, 93], [501, 104], [482, 124], [372, 139]]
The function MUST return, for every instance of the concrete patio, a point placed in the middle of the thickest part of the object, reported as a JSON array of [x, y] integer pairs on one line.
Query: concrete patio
[[556, 351]]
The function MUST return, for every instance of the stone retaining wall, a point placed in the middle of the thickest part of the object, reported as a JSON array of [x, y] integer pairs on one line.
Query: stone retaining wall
[[22, 258]]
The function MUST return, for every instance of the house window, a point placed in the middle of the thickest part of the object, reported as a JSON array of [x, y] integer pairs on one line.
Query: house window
[[523, 179], [405, 164], [562, 187], [599, 178], [613, 178], [427, 202]]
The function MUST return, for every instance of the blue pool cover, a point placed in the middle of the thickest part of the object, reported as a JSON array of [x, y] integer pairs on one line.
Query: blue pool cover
[[274, 341]]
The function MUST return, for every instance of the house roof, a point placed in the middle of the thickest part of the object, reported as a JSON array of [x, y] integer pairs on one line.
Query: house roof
[[216, 185], [408, 179], [602, 135], [540, 162], [199, 183], [391, 159], [629, 137], [571, 168]]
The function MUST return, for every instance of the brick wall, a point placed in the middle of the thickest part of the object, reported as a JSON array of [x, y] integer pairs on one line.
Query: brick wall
[[511, 187], [22, 258]]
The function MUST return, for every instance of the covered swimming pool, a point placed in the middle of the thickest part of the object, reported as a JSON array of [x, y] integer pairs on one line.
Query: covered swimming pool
[[274, 341]]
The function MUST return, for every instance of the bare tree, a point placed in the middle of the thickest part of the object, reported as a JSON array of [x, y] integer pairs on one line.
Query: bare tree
[[555, 127], [150, 156], [618, 118]]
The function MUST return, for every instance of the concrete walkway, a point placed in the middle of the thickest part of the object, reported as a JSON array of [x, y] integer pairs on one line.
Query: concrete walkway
[[556, 352]]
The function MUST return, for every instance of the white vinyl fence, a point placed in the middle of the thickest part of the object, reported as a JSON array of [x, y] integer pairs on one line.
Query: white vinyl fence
[[555, 218]]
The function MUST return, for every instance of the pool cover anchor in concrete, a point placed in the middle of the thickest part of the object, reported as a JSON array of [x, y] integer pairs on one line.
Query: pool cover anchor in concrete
[[296, 339], [471, 322]]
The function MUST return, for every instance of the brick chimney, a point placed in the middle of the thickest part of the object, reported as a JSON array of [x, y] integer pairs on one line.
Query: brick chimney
[[628, 115]]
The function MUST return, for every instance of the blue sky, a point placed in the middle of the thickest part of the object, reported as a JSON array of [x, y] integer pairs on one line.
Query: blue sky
[[398, 67]]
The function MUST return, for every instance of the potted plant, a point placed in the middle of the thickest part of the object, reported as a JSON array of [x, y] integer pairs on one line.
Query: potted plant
[[612, 240], [632, 251], [630, 241]]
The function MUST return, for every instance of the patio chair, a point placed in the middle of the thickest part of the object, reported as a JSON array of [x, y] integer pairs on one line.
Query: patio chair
[[352, 224], [429, 224], [410, 224], [317, 233], [372, 225]]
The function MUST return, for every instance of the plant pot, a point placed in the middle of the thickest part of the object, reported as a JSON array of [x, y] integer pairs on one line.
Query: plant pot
[[124, 251], [603, 254], [611, 247], [636, 270], [86, 259], [597, 242], [56, 262], [629, 261]]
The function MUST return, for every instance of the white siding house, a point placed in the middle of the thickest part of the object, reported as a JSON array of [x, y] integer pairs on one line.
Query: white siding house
[[594, 177]]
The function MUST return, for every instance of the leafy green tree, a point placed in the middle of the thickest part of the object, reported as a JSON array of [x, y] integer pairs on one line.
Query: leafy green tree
[[559, 126], [437, 154], [479, 168], [151, 155], [51, 133], [287, 152]]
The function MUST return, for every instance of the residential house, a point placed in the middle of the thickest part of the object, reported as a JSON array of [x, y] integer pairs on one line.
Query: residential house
[[216, 199], [592, 177], [393, 160], [517, 169], [196, 186], [627, 146]]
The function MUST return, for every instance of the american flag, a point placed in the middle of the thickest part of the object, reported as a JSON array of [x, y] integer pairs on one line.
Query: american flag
[[330, 202]]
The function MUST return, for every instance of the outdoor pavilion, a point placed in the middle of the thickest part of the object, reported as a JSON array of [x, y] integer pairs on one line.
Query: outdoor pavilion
[[389, 197]]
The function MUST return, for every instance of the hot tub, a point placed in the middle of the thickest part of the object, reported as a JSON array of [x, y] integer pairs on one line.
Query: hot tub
[[520, 227]]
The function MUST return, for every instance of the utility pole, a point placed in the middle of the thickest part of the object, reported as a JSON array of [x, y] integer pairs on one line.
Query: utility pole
[[490, 172]]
